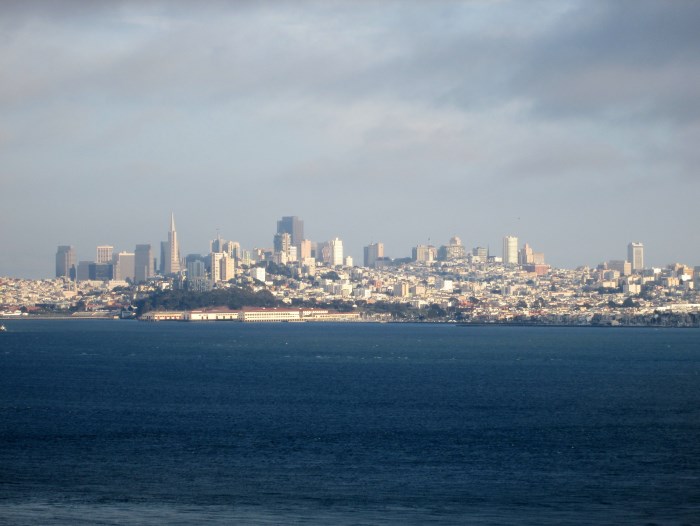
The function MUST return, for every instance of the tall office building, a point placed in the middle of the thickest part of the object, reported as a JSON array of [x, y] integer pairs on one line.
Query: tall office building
[[635, 255], [510, 250], [336, 246], [143, 263], [83, 270], [373, 252], [105, 253], [100, 271], [124, 266], [163, 252], [65, 262], [171, 251], [293, 226]]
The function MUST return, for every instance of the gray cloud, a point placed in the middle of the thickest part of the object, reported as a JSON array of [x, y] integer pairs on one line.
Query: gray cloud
[[369, 120], [618, 60]]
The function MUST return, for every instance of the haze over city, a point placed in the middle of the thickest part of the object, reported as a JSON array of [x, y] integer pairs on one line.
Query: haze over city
[[573, 125]]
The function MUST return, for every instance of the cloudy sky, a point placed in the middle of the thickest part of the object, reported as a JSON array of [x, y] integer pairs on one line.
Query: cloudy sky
[[574, 125]]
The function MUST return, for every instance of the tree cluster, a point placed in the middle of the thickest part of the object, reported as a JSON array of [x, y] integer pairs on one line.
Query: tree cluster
[[233, 298]]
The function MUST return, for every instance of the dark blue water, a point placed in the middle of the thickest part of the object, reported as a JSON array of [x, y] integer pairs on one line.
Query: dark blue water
[[108, 422]]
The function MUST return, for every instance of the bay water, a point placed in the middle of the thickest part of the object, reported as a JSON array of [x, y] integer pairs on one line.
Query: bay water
[[124, 422]]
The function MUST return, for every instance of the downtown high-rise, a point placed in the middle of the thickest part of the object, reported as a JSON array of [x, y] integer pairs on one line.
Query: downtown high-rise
[[293, 226], [170, 251], [510, 250], [635, 255], [372, 253], [143, 263], [65, 262]]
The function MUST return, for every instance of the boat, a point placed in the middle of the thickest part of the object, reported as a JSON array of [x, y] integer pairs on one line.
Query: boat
[[3, 328]]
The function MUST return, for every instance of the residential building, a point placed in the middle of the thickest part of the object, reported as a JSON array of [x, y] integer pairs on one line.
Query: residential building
[[480, 254], [305, 249], [622, 266], [424, 253], [217, 245], [452, 251]]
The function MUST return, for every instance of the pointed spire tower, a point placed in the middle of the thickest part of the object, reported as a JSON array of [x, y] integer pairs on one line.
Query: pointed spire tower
[[172, 255]]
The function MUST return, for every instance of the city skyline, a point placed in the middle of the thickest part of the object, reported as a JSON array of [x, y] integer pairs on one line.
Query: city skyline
[[571, 125], [224, 255], [108, 254]]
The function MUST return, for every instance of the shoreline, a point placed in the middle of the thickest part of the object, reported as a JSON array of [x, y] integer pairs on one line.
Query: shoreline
[[378, 322]]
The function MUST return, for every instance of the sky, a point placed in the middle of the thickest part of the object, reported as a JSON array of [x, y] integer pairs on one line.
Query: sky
[[574, 125]]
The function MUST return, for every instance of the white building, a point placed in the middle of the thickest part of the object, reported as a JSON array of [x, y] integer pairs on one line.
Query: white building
[[510, 250], [104, 254], [215, 259], [228, 267], [336, 246], [257, 273], [223, 266]]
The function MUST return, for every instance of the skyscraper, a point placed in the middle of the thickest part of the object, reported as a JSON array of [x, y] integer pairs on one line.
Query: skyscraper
[[65, 262], [104, 254], [293, 226], [336, 252], [163, 256], [143, 263], [373, 252], [510, 250], [124, 266], [635, 255], [171, 264]]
